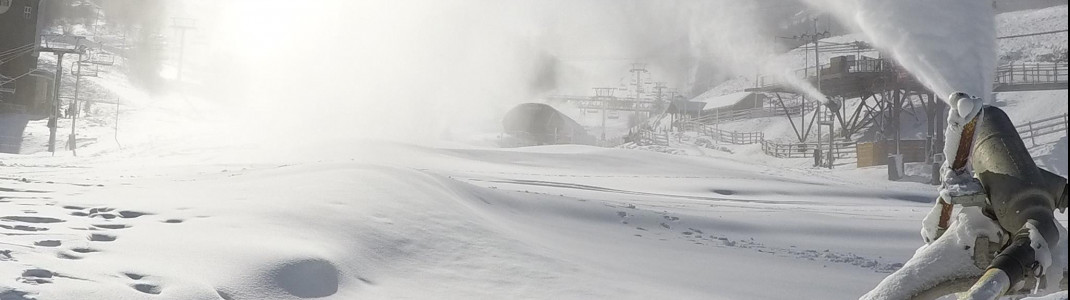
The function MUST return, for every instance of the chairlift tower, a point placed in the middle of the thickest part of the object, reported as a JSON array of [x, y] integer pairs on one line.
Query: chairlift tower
[[604, 95], [53, 119], [638, 69]]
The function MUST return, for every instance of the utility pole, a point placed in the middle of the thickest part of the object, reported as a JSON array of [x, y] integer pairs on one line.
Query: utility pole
[[817, 54], [816, 38], [182, 25], [53, 119]]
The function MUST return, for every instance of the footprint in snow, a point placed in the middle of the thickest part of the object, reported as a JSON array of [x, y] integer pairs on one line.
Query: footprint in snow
[[106, 213], [141, 286], [111, 226], [36, 276], [23, 228], [725, 192], [68, 256], [84, 250], [134, 276], [29, 219], [48, 243], [147, 288], [99, 237]]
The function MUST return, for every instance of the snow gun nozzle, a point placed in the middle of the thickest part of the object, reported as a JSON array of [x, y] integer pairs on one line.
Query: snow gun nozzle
[[992, 285], [966, 105], [832, 104]]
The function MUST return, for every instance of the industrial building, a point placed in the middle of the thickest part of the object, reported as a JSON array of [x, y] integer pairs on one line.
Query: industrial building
[[24, 89]]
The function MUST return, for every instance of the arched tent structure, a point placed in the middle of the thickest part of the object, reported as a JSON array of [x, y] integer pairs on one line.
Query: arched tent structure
[[540, 124]]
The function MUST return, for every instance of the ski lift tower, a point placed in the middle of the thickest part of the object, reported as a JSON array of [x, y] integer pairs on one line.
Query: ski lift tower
[[604, 96], [638, 69], [182, 25]]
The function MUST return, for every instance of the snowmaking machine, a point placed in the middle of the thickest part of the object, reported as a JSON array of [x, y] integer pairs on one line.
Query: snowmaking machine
[[989, 167], [1005, 239]]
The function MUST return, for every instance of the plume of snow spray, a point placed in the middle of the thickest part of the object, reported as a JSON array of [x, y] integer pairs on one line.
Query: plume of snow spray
[[726, 29], [949, 45]]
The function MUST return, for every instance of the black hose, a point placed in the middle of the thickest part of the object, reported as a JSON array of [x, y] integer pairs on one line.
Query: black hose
[[1017, 259]]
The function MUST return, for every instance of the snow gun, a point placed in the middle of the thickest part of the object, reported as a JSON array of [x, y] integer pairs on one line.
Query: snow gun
[[1014, 193], [957, 162]]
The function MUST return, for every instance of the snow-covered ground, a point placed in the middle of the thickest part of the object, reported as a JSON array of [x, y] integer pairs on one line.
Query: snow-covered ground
[[373, 219], [359, 219]]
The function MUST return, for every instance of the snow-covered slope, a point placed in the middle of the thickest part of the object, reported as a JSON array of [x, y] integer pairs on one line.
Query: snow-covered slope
[[555, 222], [1043, 48], [368, 219]]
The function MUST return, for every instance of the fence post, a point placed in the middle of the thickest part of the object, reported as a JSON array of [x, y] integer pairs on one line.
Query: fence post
[[1012, 73], [1032, 134], [1055, 72]]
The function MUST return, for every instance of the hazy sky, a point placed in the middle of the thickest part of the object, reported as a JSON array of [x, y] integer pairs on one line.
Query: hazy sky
[[434, 68]]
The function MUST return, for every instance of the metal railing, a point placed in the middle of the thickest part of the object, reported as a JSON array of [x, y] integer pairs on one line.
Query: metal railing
[[1032, 130], [724, 116], [867, 65], [806, 150], [1015, 76], [725, 136], [1031, 74]]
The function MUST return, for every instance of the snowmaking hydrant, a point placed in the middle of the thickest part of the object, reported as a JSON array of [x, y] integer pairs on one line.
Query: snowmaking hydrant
[[988, 166]]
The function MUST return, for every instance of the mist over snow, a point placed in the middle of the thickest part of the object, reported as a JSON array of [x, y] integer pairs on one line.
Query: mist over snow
[[428, 70]]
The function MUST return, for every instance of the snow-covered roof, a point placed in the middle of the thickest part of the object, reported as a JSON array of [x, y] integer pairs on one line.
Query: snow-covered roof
[[713, 102]]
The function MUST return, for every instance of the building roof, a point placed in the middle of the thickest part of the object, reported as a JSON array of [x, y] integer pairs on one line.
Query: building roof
[[713, 102], [685, 107]]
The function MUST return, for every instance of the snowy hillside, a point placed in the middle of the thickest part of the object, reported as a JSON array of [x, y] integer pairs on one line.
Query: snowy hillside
[[1040, 48]]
